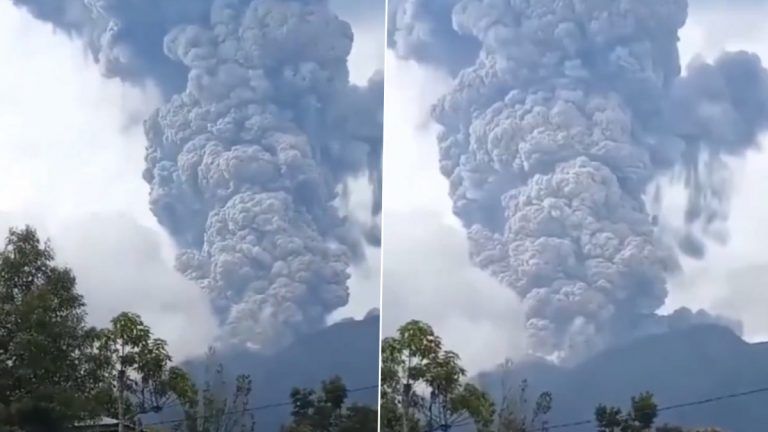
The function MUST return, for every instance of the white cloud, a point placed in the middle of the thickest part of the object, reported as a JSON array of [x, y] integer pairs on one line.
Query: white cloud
[[426, 270], [367, 21], [720, 25], [120, 266], [365, 282], [72, 151], [368, 49]]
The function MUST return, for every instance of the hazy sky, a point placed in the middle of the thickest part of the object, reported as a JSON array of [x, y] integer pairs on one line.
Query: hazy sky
[[427, 274], [72, 149]]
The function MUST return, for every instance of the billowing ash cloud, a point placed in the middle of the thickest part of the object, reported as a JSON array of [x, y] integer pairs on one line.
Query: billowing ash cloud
[[246, 164], [423, 30], [719, 109], [125, 38], [249, 159], [552, 138]]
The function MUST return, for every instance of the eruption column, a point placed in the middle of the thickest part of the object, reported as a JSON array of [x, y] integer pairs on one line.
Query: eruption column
[[551, 139], [249, 159]]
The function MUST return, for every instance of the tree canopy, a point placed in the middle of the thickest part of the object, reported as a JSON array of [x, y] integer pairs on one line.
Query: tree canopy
[[50, 370], [55, 369], [424, 387], [138, 370], [641, 417], [327, 410]]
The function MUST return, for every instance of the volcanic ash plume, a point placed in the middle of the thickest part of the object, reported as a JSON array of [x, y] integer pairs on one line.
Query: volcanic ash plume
[[246, 164], [719, 110], [125, 38], [422, 30], [552, 138]]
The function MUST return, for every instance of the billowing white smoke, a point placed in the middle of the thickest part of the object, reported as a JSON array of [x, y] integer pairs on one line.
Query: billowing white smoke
[[248, 160], [551, 139]]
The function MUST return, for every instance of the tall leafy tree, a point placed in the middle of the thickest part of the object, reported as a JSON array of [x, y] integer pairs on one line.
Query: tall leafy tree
[[140, 372], [423, 386], [327, 410], [214, 410], [50, 374]]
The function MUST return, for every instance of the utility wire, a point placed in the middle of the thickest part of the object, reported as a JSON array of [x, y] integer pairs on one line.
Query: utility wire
[[665, 408], [256, 408], [540, 429], [661, 409]]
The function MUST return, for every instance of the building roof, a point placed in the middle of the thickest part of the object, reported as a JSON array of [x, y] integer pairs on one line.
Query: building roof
[[102, 421]]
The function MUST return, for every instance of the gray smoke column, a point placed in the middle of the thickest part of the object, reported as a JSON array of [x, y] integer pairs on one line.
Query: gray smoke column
[[246, 165], [552, 138], [249, 159]]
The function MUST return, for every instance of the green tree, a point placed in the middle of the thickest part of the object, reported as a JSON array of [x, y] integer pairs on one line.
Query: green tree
[[327, 410], [139, 370], [641, 417], [423, 386], [213, 410], [50, 375]]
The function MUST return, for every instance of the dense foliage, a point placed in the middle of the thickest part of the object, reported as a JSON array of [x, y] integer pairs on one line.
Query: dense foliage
[[55, 370], [51, 373]]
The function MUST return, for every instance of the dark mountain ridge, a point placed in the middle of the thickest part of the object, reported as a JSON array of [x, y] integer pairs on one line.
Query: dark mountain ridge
[[683, 366], [349, 349]]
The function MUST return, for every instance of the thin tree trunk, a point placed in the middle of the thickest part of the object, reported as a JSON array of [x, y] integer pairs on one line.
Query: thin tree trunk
[[120, 410], [407, 396], [405, 411], [120, 391]]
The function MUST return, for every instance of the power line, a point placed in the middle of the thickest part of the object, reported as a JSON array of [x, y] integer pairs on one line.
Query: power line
[[665, 408], [256, 408], [540, 429], [661, 409], [715, 399]]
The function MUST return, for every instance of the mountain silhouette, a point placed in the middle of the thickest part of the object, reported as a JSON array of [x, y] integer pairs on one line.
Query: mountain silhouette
[[697, 363]]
